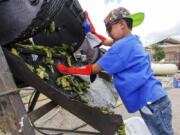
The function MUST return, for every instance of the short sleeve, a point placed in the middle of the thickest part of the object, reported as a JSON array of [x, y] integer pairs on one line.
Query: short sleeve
[[112, 62]]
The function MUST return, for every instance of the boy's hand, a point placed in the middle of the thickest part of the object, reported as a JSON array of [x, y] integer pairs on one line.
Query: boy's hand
[[89, 27], [87, 24]]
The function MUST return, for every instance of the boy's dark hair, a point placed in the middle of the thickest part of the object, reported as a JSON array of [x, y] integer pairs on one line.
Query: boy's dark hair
[[129, 22]]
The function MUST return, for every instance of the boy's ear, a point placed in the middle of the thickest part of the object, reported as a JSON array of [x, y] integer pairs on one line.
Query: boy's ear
[[122, 23]]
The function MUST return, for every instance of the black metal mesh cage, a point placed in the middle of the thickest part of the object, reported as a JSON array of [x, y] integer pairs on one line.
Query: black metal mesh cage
[[21, 19]]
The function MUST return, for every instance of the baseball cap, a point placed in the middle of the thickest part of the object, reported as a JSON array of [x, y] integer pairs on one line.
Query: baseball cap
[[122, 13]]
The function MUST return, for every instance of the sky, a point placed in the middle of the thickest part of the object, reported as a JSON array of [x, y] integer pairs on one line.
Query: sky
[[162, 18]]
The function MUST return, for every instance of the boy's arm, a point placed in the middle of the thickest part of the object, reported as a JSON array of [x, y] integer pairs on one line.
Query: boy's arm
[[108, 42], [85, 70]]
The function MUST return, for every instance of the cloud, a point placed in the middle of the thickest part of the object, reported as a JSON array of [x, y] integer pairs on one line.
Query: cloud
[[111, 1], [158, 36]]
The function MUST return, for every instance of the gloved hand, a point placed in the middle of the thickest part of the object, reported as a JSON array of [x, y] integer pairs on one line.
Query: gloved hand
[[89, 27], [87, 24], [86, 70]]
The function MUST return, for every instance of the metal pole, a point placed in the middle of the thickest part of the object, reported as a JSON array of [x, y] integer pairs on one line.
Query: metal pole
[[13, 116]]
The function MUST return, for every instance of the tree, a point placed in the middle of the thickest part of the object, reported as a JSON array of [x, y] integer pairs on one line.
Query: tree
[[159, 53]]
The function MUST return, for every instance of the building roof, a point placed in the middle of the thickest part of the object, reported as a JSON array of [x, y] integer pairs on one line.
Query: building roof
[[171, 40]]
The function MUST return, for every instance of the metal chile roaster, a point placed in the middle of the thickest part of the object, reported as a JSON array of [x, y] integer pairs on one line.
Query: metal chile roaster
[[22, 19]]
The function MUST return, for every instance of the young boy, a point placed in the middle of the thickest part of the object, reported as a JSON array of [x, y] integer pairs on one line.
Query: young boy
[[130, 67]]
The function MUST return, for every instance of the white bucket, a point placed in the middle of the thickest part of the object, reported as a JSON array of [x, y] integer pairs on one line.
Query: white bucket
[[136, 126]]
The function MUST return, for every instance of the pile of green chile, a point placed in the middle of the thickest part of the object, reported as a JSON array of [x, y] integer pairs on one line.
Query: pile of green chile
[[72, 83], [68, 82]]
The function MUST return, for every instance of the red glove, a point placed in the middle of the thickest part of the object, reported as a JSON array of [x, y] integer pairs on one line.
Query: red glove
[[102, 38], [87, 70]]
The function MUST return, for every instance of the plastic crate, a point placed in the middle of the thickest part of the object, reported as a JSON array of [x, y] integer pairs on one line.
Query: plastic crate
[[176, 83]]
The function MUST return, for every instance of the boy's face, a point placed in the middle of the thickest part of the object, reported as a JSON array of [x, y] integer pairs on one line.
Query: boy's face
[[116, 30]]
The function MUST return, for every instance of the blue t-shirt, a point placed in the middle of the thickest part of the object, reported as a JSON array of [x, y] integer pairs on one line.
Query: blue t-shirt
[[130, 67]]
